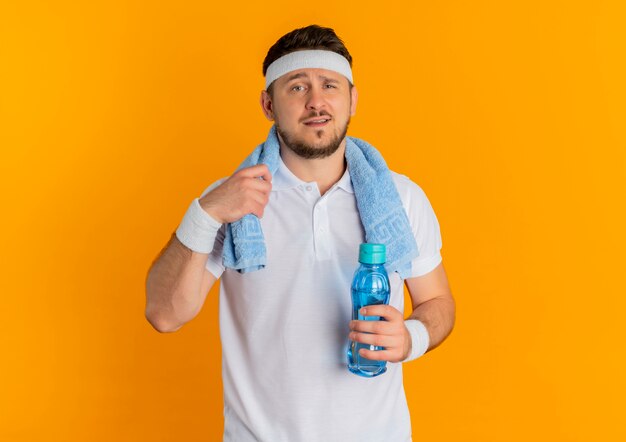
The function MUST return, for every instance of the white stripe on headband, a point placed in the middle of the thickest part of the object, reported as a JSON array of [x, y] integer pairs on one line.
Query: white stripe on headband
[[304, 59]]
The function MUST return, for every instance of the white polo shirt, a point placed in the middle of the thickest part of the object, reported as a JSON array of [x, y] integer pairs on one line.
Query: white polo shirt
[[284, 329]]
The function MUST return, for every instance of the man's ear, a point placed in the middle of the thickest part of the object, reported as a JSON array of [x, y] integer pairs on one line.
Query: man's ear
[[267, 105], [354, 94]]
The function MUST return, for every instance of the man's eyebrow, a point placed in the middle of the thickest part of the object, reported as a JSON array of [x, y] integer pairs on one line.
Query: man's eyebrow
[[328, 79], [303, 74], [294, 76]]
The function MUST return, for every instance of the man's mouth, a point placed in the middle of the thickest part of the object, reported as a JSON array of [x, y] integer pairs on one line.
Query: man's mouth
[[318, 122]]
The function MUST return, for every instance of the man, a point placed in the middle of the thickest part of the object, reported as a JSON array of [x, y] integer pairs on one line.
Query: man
[[285, 327]]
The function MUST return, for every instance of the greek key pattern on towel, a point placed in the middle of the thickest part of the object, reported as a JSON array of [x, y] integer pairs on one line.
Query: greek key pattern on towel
[[391, 228], [248, 228], [249, 237]]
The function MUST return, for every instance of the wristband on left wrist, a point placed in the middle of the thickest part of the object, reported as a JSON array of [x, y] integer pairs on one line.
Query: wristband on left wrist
[[420, 339]]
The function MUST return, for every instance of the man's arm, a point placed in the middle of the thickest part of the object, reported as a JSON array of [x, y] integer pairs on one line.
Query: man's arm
[[176, 286], [178, 282], [433, 305]]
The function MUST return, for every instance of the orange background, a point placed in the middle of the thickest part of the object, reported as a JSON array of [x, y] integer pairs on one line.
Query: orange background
[[510, 115]]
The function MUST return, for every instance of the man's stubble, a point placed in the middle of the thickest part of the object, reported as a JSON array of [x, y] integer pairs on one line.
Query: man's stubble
[[308, 151]]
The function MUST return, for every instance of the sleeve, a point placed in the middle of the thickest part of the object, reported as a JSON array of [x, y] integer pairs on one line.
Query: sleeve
[[425, 227], [214, 262]]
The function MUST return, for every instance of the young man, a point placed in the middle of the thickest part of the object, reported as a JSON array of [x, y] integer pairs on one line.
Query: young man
[[285, 324]]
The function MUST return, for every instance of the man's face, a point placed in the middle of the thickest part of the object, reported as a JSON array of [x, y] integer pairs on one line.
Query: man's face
[[311, 109]]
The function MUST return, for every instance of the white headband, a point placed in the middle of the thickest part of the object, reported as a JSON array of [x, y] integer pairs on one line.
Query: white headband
[[310, 58]]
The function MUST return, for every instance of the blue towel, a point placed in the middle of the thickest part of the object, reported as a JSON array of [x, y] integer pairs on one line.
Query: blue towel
[[378, 202]]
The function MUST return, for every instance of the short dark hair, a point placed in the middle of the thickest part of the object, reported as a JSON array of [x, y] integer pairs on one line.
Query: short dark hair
[[309, 37]]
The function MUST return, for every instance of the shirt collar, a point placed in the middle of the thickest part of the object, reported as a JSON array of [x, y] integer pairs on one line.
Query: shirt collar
[[345, 182], [284, 179]]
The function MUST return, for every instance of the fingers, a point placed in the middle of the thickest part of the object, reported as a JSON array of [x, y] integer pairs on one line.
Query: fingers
[[378, 327], [259, 201], [390, 324], [390, 334], [260, 170], [255, 183], [392, 348], [247, 191], [386, 311], [259, 185], [249, 177], [377, 340], [379, 355]]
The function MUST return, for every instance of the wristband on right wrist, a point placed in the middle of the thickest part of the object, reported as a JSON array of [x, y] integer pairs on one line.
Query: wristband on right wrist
[[198, 229]]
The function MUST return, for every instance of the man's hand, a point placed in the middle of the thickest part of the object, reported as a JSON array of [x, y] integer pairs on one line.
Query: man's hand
[[241, 194], [391, 334]]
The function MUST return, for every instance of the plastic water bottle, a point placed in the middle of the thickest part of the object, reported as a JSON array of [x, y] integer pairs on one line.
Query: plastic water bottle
[[370, 286]]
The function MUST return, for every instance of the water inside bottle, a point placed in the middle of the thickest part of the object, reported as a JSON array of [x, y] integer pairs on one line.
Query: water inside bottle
[[356, 363]]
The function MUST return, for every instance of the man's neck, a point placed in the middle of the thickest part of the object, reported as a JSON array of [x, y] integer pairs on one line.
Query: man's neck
[[324, 171]]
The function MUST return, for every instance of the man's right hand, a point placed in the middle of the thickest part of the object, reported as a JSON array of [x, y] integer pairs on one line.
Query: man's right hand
[[242, 193]]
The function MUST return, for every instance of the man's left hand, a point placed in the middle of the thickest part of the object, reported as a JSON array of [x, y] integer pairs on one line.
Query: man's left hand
[[391, 334]]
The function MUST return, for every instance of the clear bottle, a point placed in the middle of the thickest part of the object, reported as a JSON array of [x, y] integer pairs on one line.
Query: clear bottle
[[370, 286]]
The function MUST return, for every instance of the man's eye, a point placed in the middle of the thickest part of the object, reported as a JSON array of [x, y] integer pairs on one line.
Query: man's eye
[[331, 85], [296, 88]]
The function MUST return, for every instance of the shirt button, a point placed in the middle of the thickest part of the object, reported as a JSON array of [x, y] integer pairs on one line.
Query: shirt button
[[308, 187]]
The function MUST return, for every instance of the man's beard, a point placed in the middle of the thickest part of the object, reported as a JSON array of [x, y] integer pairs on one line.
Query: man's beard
[[308, 151]]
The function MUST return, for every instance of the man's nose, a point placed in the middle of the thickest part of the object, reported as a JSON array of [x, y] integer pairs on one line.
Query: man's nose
[[315, 99]]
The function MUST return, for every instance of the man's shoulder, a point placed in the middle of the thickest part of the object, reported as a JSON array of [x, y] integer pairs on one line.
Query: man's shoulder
[[408, 189]]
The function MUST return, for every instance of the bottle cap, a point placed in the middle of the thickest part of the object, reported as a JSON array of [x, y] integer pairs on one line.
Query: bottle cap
[[370, 253]]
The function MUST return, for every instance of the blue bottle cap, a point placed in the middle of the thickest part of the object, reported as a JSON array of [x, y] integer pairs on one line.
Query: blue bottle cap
[[370, 253]]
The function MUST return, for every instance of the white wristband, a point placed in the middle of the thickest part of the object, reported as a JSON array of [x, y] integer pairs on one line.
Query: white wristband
[[198, 229], [419, 338]]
